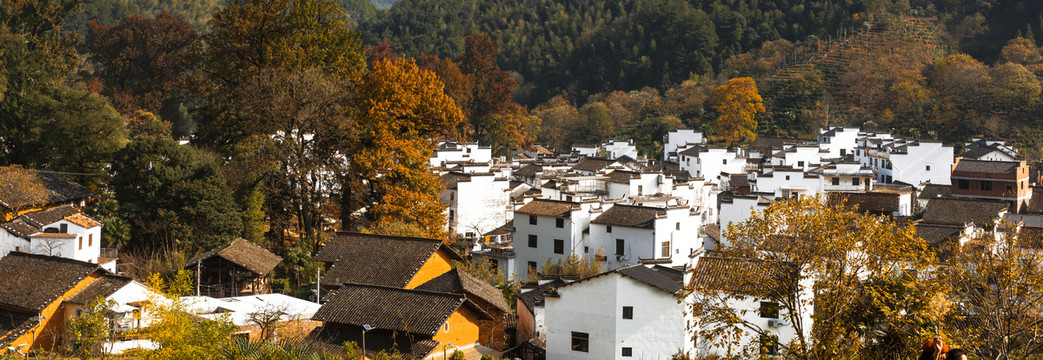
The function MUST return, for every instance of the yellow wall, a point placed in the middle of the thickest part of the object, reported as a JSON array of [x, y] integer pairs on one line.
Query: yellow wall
[[463, 328], [45, 336], [438, 264]]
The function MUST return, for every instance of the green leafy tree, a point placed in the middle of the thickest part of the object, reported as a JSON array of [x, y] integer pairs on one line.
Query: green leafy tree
[[88, 331]]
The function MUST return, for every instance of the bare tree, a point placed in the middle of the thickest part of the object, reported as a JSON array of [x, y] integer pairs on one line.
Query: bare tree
[[267, 318]]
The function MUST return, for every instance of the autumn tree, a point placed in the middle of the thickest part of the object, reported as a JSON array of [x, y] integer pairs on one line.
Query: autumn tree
[[494, 118], [558, 118], [737, 104], [1021, 51], [90, 328], [960, 78], [141, 62], [837, 275], [22, 188], [997, 282], [400, 109], [1014, 87]]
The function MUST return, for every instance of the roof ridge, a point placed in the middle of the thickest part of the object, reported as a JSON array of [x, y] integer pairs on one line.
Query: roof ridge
[[348, 233], [398, 289]]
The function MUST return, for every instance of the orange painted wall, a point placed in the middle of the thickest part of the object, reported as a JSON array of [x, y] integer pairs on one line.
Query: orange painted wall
[[463, 328], [46, 336], [438, 264]]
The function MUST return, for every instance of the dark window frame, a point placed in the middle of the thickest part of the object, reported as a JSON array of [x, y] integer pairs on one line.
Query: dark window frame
[[559, 246], [533, 241], [559, 223], [621, 246], [532, 220], [628, 313], [580, 341]]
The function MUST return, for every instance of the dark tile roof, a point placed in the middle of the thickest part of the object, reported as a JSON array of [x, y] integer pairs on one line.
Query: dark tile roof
[[49, 216], [934, 191], [713, 231], [680, 176], [937, 234], [104, 287], [31, 282], [548, 207], [528, 170], [739, 181], [989, 167], [19, 228], [459, 282], [670, 166], [376, 259], [534, 297], [13, 325], [449, 180], [962, 211], [592, 164], [1030, 237], [874, 202], [394, 309], [504, 229], [332, 339], [740, 275], [59, 190], [693, 151], [630, 216], [652, 278], [981, 148], [243, 253], [622, 176]]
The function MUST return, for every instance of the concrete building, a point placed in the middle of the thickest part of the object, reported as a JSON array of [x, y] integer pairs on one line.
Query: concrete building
[[475, 203], [709, 163], [678, 140], [838, 141], [908, 161], [451, 151], [549, 230], [993, 180], [59, 231], [615, 149], [631, 234]]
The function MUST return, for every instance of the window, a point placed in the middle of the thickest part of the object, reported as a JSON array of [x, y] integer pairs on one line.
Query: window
[[532, 219], [452, 195], [580, 341], [800, 163], [1010, 188], [640, 189], [856, 181], [677, 225], [725, 161], [559, 223], [836, 181], [769, 345], [986, 185], [769, 310], [666, 249], [532, 241], [586, 249], [568, 198], [559, 246], [608, 228], [63, 228], [619, 246], [963, 184], [628, 312], [928, 167], [90, 239], [532, 267], [628, 352], [81, 242], [787, 177]]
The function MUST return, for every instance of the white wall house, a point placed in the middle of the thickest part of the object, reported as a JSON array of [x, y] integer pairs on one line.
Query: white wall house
[[628, 313], [678, 140], [802, 157], [845, 177], [763, 321], [451, 151], [128, 311], [838, 141], [737, 209], [62, 231], [625, 184], [989, 150], [630, 234], [615, 149], [909, 161], [475, 203], [549, 229], [585, 149], [709, 163], [784, 182]]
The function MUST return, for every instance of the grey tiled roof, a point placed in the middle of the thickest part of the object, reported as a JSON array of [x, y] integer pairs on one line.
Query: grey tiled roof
[[962, 211], [243, 253], [386, 308], [988, 167], [630, 216], [31, 282], [460, 282], [376, 259]]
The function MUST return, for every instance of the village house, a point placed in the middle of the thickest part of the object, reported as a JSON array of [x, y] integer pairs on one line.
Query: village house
[[531, 308], [418, 324], [16, 199], [709, 163], [236, 268], [128, 309], [989, 150], [845, 177], [494, 334], [549, 230], [994, 180], [678, 140], [915, 162], [637, 315], [803, 157], [57, 231], [632, 234], [618, 148], [475, 202], [785, 182], [586, 150], [737, 208], [450, 152], [838, 141], [394, 261]]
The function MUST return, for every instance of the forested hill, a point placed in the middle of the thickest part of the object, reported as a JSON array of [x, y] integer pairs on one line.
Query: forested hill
[[584, 47]]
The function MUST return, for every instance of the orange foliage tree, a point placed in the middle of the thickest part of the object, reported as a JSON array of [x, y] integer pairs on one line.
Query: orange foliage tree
[[400, 108], [737, 104]]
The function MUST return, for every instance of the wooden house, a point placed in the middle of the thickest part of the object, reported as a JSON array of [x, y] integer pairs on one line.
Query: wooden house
[[237, 268]]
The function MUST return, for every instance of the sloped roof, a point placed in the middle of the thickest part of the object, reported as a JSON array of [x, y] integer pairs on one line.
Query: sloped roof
[[592, 164], [548, 207], [243, 253], [456, 282], [739, 181], [630, 216], [875, 202], [937, 234], [1035, 203], [934, 191], [333, 338], [730, 274], [19, 228], [31, 282], [104, 287], [376, 259], [13, 325], [49, 216], [387, 308], [528, 170], [962, 211], [1030, 237], [449, 180], [988, 167], [643, 275], [59, 190], [693, 151], [535, 297], [622, 176]]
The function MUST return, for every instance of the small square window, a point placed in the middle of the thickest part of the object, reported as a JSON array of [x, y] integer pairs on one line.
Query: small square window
[[856, 181], [800, 163], [586, 249], [928, 167], [532, 266], [836, 181], [580, 341], [559, 246], [628, 352], [769, 310], [532, 241], [677, 225], [769, 345], [628, 312], [787, 177], [725, 161], [559, 223], [608, 228], [532, 219]]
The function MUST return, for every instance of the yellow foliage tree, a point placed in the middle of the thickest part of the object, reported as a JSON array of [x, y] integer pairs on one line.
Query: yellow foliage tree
[[737, 104], [401, 108]]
